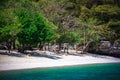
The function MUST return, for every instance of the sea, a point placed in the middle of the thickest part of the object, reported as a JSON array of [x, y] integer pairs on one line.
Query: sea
[[108, 71]]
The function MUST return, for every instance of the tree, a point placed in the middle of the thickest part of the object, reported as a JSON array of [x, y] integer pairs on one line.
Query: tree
[[9, 27], [89, 32], [70, 37], [35, 28], [108, 15], [36, 22], [115, 28], [107, 12]]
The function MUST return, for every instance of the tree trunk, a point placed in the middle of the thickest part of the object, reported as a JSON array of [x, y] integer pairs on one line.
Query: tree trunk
[[13, 45], [9, 44], [67, 49], [23, 48], [84, 43], [40, 46], [48, 46], [112, 43], [85, 46]]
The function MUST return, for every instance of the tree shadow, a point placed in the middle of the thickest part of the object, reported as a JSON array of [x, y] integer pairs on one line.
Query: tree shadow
[[12, 54], [47, 56], [33, 54], [78, 54], [100, 56], [36, 54]]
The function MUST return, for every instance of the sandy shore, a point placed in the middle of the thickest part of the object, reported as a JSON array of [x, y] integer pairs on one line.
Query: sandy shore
[[15, 61]]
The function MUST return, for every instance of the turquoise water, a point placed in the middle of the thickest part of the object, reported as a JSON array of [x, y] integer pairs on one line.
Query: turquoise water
[[81, 72]]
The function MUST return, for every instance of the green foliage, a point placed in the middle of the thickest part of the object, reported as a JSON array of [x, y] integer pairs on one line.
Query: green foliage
[[70, 37], [74, 38], [107, 12], [35, 28], [41, 21], [85, 13], [9, 26], [115, 26], [88, 30]]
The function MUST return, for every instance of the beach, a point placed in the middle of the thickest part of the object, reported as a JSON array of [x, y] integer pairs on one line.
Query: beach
[[43, 59]]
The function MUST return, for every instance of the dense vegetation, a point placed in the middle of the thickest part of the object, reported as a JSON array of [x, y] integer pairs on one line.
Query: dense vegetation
[[36, 22]]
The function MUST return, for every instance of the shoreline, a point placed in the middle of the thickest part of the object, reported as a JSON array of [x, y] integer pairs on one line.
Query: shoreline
[[12, 70], [57, 66], [10, 63]]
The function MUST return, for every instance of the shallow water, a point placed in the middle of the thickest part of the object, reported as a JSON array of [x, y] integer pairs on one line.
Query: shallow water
[[82, 72]]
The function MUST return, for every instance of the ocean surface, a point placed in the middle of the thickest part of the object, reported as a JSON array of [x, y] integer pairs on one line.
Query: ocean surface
[[109, 71]]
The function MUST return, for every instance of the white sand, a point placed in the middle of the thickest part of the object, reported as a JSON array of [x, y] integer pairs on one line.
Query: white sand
[[8, 62]]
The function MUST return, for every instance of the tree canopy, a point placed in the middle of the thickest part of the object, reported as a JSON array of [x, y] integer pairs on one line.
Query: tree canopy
[[34, 22]]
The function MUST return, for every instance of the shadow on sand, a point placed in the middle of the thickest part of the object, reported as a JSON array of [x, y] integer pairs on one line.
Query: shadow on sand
[[31, 54], [12, 54], [99, 56], [78, 54], [35, 54]]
